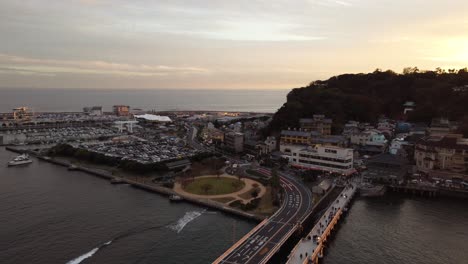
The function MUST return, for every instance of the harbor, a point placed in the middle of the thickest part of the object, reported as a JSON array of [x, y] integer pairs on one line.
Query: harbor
[[144, 186]]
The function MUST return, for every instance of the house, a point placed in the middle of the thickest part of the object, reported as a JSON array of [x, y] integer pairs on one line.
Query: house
[[447, 153], [369, 137], [396, 145]]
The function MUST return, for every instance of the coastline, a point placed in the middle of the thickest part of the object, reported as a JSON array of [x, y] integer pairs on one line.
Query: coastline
[[155, 189]]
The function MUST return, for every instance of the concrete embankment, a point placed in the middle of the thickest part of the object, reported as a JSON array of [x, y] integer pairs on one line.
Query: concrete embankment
[[144, 186]]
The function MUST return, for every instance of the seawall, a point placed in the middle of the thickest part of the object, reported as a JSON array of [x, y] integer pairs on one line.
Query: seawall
[[151, 188]]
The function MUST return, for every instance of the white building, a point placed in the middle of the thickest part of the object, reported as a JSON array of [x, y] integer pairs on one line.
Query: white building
[[369, 138], [323, 158], [396, 145], [93, 111]]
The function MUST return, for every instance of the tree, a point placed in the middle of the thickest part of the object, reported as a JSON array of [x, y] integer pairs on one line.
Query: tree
[[274, 180]]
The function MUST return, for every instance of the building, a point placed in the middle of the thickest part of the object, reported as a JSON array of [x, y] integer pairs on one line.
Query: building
[[22, 114], [317, 123], [300, 137], [386, 167], [408, 107], [93, 111], [270, 143], [149, 118], [234, 141], [352, 127], [441, 127], [368, 138], [262, 148], [386, 127], [323, 187], [121, 110], [396, 146], [322, 158], [329, 140], [449, 153]]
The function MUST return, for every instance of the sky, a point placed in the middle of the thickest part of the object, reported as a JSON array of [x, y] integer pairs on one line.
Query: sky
[[219, 44]]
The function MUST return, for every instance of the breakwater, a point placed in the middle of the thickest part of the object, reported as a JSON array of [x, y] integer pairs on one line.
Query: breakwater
[[144, 186]]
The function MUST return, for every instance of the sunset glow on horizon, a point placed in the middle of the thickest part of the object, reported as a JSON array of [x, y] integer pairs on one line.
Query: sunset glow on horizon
[[212, 44]]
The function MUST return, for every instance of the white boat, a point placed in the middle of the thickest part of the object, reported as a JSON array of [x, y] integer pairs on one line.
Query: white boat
[[20, 160], [175, 198]]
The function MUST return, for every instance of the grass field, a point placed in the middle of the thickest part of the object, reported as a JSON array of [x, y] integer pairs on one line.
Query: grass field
[[216, 186]]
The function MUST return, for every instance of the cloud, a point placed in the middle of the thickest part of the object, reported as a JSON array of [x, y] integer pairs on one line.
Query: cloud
[[22, 65]]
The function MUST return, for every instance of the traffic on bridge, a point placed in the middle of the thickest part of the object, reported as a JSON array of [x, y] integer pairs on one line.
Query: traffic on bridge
[[260, 244]]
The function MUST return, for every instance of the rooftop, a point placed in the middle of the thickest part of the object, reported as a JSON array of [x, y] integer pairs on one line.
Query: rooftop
[[296, 133], [157, 118]]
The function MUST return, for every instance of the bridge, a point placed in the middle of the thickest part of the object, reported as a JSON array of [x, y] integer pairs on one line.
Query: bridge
[[261, 243], [310, 248]]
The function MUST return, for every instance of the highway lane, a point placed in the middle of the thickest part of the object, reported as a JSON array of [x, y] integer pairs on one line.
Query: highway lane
[[261, 245]]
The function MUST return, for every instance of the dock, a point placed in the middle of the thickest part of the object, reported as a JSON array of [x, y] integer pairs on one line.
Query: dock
[[310, 248]]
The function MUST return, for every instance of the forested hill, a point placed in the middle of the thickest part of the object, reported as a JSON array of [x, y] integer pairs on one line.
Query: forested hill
[[365, 97]]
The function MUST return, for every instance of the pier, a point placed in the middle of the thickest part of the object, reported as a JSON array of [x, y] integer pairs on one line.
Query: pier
[[416, 190], [310, 248]]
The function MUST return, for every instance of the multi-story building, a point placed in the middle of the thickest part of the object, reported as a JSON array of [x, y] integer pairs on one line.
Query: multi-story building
[[324, 158], [448, 153], [386, 167], [300, 137], [317, 123], [441, 127], [93, 111], [234, 141], [352, 127], [22, 113], [121, 110]]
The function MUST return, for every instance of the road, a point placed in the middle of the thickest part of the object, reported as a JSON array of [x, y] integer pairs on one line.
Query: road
[[262, 244]]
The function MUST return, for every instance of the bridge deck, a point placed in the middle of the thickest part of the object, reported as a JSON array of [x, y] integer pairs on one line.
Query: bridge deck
[[308, 249], [265, 240]]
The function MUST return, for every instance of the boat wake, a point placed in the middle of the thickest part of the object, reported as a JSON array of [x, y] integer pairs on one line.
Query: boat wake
[[178, 226], [187, 218], [88, 254], [130, 232]]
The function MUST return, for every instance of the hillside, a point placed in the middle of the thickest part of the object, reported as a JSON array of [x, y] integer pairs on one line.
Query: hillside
[[365, 97]]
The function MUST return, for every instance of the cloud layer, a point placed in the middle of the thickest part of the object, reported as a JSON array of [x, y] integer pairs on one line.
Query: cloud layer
[[222, 44]]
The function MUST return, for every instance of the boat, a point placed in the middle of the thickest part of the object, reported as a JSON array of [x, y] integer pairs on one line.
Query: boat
[[20, 160], [175, 198]]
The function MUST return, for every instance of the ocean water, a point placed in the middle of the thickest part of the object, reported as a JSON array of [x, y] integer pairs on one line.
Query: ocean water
[[53, 100], [51, 215]]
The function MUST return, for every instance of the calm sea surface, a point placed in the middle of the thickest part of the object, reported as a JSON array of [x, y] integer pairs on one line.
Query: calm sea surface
[[51, 215], [43, 100]]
